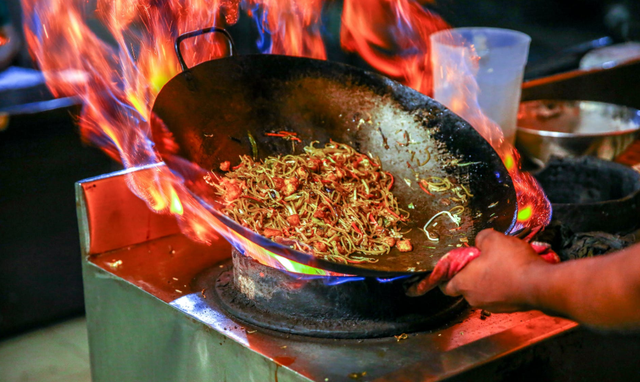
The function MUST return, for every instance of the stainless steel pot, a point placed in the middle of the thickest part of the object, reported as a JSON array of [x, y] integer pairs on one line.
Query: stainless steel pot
[[560, 128]]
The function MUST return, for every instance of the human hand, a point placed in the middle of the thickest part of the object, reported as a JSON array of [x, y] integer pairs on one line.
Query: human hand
[[502, 278]]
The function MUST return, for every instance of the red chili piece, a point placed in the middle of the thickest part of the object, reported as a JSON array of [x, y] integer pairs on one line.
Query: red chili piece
[[392, 181], [424, 189], [355, 226], [252, 198]]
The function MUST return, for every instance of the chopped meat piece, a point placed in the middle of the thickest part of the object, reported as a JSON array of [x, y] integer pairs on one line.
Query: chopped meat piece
[[314, 164], [294, 220], [290, 186], [320, 232], [320, 214], [390, 241], [404, 245], [302, 173], [320, 246], [233, 189], [224, 166], [278, 183], [270, 232]]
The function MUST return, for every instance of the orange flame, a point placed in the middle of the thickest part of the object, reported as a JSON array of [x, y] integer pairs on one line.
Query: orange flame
[[293, 26], [534, 209], [393, 37], [118, 82]]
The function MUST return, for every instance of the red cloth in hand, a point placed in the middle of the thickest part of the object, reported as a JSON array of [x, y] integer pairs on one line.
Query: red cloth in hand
[[545, 252], [455, 260]]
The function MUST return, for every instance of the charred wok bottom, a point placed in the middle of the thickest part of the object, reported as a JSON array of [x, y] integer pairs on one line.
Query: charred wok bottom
[[364, 308]]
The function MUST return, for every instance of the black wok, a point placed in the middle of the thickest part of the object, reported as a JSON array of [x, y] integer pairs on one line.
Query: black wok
[[214, 110]]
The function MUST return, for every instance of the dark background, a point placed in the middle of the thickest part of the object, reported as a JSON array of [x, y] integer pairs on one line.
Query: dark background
[[41, 155]]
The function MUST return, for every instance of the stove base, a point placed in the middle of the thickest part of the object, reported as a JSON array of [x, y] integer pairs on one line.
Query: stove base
[[312, 308], [152, 316]]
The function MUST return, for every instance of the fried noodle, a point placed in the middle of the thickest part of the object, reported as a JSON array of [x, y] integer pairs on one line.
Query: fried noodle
[[333, 202]]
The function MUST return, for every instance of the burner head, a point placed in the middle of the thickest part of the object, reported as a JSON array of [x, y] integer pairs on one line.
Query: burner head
[[328, 307]]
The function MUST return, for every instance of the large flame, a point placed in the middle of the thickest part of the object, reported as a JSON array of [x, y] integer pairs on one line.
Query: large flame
[[534, 209], [393, 37], [118, 81], [288, 27]]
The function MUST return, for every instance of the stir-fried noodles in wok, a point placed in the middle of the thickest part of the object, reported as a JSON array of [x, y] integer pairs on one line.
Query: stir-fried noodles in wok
[[331, 201]]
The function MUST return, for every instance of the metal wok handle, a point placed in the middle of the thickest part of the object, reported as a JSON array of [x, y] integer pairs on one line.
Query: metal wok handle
[[199, 32]]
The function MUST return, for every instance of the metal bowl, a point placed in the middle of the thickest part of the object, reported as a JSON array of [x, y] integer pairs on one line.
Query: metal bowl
[[560, 128]]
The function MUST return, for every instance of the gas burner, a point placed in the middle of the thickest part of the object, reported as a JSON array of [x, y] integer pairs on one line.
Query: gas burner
[[330, 307]]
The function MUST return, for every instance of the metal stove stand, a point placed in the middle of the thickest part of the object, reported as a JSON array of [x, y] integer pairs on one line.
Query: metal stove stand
[[150, 319]]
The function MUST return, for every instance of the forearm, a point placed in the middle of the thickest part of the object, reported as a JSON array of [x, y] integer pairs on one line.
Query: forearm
[[602, 291]]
